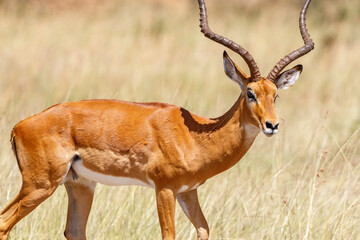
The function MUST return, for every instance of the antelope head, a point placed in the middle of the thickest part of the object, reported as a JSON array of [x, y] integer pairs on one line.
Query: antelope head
[[259, 92]]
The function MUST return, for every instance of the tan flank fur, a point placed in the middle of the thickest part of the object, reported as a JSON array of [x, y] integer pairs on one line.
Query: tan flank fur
[[156, 145]]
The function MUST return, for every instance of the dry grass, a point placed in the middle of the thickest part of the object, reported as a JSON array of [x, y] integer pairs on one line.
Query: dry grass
[[302, 184]]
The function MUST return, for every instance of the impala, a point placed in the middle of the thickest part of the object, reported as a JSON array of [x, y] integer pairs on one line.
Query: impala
[[156, 145]]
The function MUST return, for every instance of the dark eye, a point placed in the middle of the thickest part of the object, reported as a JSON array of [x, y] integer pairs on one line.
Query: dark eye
[[276, 98], [251, 96]]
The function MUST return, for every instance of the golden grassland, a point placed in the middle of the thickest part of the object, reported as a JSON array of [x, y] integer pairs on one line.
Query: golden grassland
[[303, 183]]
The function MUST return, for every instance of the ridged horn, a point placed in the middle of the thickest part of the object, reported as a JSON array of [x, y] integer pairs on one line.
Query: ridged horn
[[204, 25], [309, 45]]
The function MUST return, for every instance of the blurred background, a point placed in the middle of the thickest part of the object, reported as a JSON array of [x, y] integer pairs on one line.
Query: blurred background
[[301, 184]]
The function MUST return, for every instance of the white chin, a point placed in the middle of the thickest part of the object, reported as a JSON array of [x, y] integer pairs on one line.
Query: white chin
[[270, 133]]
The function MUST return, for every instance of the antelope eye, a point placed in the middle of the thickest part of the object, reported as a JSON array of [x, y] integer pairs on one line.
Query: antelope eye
[[251, 96]]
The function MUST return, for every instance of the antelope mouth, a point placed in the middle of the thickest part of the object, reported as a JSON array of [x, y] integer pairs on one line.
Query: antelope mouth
[[270, 132]]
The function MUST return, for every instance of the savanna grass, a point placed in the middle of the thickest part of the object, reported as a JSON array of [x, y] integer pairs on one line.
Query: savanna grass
[[301, 184]]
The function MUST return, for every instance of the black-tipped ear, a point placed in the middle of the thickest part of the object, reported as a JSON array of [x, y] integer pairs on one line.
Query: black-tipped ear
[[288, 77], [233, 71]]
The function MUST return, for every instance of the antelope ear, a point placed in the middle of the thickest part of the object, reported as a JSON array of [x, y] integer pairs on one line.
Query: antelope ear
[[234, 72], [288, 78]]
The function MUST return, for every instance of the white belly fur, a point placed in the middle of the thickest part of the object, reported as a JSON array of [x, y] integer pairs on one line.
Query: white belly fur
[[82, 171]]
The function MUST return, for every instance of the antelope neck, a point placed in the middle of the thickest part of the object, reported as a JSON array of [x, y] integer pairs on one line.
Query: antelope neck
[[225, 140]]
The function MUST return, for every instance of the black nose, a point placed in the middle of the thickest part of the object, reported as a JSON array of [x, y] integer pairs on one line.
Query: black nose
[[271, 126]]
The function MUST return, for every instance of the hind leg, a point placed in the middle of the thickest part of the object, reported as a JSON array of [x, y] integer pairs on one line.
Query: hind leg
[[80, 193], [23, 204], [42, 169]]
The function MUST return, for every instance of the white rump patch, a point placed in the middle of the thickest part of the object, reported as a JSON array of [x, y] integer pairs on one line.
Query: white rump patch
[[82, 171]]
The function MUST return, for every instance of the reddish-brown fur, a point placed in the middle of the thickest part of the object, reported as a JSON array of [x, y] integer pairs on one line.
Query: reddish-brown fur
[[159, 142], [153, 144]]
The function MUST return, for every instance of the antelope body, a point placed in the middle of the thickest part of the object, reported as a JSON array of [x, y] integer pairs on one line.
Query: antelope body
[[156, 145]]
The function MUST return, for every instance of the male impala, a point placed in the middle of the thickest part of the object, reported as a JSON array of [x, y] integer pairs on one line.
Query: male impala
[[156, 145]]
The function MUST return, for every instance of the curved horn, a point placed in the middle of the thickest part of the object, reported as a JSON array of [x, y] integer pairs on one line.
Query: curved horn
[[309, 45], [204, 25]]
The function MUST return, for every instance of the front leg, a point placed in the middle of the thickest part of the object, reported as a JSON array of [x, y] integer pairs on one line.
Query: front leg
[[189, 203], [165, 199]]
